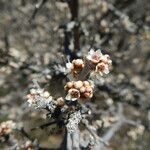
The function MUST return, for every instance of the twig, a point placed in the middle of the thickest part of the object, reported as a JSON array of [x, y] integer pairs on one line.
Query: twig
[[7, 44], [38, 6], [74, 9], [92, 131], [44, 125], [25, 134]]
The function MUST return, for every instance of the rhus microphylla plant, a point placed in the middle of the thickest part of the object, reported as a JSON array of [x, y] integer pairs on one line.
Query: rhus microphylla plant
[[68, 111]]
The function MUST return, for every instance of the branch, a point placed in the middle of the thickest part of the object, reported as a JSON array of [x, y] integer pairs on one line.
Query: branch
[[71, 141], [44, 125], [38, 6], [74, 9]]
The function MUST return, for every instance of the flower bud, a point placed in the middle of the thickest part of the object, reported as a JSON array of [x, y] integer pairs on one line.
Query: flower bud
[[82, 89], [69, 85], [60, 102], [78, 64], [88, 95], [78, 84], [86, 83], [46, 94]]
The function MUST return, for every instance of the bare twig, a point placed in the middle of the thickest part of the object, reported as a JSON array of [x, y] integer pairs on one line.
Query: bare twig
[[44, 125], [38, 6]]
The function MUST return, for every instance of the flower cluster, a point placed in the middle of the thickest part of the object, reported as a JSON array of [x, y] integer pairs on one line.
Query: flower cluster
[[75, 66], [79, 90], [69, 109], [100, 63], [95, 62], [6, 128]]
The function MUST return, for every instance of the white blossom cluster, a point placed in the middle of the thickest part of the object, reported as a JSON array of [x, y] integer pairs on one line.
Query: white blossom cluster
[[101, 63], [73, 121], [78, 90], [95, 64]]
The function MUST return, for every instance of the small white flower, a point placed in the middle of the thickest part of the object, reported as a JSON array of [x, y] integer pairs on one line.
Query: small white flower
[[46, 94], [106, 59], [73, 95], [94, 56], [33, 91], [78, 63], [102, 68]]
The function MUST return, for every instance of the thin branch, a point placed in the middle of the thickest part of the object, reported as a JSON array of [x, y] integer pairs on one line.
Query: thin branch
[[38, 6], [44, 125]]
